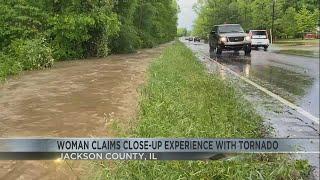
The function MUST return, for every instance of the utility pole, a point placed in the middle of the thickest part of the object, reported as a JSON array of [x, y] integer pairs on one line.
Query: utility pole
[[272, 26]]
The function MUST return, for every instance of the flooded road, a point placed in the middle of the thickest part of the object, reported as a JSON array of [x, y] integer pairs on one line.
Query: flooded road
[[74, 99], [294, 78], [308, 49]]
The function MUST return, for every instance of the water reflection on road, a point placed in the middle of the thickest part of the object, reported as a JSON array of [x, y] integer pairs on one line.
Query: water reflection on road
[[294, 78], [284, 82]]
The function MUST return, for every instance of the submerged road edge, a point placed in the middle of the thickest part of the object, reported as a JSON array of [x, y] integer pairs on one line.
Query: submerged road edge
[[275, 96]]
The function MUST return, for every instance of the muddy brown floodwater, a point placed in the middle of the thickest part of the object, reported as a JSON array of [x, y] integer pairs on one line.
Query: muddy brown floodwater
[[73, 99]]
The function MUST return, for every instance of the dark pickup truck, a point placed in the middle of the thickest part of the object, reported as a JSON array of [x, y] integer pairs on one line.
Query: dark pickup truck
[[229, 37]]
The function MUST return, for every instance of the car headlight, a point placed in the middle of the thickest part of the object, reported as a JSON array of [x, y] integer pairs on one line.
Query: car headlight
[[223, 39], [248, 38]]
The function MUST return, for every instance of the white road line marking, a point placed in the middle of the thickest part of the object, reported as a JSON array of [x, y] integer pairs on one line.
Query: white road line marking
[[277, 97]]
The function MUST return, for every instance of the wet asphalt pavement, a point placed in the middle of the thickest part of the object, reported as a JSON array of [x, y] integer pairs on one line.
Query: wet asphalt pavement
[[293, 78]]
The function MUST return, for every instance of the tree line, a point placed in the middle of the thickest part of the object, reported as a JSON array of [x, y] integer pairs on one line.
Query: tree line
[[292, 18], [183, 32], [34, 33]]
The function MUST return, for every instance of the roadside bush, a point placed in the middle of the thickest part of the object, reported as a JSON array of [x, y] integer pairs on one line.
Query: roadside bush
[[82, 35], [127, 41], [31, 54], [69, 32], [106, 25], [8, 66], [147, 40]]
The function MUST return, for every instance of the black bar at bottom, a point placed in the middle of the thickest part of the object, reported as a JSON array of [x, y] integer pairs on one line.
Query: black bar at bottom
[[29, 156]]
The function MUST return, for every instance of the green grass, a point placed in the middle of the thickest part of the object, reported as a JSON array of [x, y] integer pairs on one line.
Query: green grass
[[182, 100]]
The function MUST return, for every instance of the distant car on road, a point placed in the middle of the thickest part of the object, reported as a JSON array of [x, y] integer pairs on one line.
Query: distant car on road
[[229, 37], [196, 39], [259, 38]]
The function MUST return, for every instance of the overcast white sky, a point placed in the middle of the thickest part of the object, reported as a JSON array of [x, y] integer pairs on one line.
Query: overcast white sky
[[187, 15]]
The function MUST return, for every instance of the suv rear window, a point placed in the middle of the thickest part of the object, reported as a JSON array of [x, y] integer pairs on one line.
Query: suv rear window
[[259, 33]]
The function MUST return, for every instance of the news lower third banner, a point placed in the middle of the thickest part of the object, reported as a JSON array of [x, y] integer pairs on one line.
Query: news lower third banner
[[146, 148]]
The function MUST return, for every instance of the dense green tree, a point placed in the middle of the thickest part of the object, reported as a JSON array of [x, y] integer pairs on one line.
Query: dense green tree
[[262, 10], [19, 20], [306, 20], [182, 32], [81, 28], [257, 14], [156, 21], [68, 29], [288, 24], [127, 40]]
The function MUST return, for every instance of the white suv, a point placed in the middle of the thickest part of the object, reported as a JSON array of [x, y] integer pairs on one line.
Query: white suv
[[259, 38]]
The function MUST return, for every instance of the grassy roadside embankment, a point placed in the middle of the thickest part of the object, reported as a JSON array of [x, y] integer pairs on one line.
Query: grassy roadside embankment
[[182, 100]]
